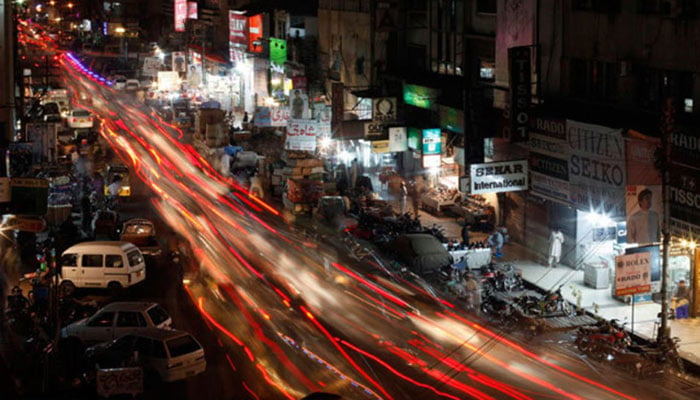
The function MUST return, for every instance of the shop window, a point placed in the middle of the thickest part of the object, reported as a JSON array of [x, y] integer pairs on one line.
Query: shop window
[[487, 70], [654, 86]]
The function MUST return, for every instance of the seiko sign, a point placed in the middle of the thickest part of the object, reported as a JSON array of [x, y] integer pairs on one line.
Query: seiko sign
[[597, 155]]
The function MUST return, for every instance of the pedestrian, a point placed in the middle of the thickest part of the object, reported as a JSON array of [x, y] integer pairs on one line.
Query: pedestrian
[[465, 233], [679, 302], [473, 292], [556, 239], [496, 242], [354, 173], [402, 199], [256, 187]]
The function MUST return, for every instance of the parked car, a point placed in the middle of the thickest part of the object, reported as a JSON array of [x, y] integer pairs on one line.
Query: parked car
[[132, 84], [119, 82], [421, 252], [142, 233], [117, 319], [51, 112], [78, 118], [170, 355], [105, 225]]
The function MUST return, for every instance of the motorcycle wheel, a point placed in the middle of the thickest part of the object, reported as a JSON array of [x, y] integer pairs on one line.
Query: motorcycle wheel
[[583, 344]]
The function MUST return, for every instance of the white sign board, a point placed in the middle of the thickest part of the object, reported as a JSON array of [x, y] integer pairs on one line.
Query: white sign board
[[168, 80], [301, 134], [398, 140], [504, 176], [632, 274], [5, 190]]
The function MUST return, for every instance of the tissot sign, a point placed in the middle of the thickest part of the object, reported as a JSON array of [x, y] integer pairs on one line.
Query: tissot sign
[[504, 176]]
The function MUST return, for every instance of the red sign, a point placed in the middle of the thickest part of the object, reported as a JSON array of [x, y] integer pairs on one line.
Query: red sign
[[180, 15], [279, 116], [255, 33], [192, 10], [299, 82], [237, 28]]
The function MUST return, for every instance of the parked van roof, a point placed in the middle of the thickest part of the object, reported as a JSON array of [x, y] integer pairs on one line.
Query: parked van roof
[[124, 246]]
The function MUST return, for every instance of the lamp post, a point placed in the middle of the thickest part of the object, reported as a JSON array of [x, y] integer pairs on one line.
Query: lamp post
[[663, 160]]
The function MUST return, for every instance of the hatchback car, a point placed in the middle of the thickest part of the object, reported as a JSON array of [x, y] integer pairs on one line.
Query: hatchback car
[[119, 82], [169, 355], [79, 119], [117, 319], [132, 84]]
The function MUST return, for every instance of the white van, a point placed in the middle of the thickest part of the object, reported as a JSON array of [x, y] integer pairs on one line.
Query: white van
[[102, 264]]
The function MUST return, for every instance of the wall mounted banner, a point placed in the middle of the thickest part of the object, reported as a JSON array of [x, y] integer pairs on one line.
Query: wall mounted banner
[[644, 219], [374, 130], [520, 92], [419, 96], [398, 141], [504, 176], [633, 274], [552, 127], [192, 10], [550, 187], [380, 146], [432, 141], [255, 32]]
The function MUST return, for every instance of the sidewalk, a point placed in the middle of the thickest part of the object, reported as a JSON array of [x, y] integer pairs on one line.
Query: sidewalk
[[597, 302]]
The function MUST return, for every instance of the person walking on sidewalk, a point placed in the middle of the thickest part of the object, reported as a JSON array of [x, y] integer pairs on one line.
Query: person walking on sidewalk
[[496, 242], [556, 239], [465, 234], [402, 199], [679, 302]]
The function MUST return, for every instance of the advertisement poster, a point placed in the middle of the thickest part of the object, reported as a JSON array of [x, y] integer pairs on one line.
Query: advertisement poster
[[633, 274], [255, 33], [192, 10], [298, 105], [503, 176], [179, 62], [301, 134], [432, 141], [644, 213], [151, 65], [168, 80], [194, 75]]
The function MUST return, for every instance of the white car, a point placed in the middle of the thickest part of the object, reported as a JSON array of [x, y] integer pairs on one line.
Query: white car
[[132, 84], [119, 82], [171, 354], [80, 119], [117, 319]]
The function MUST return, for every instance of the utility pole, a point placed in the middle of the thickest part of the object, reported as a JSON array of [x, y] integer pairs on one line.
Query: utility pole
[[667, 124]]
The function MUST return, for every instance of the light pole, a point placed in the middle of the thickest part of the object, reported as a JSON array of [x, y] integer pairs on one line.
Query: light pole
[[663, 159]]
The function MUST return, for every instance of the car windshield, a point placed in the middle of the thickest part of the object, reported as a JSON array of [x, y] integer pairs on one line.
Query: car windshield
[[182, 345], [81, 113]]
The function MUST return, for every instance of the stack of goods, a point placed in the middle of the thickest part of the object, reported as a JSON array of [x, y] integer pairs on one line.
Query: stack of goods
[[60, 200], [208, 128], [438, 198], [303, 177]]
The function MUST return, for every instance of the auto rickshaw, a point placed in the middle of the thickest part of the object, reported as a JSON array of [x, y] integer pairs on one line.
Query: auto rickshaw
[[121, 170]]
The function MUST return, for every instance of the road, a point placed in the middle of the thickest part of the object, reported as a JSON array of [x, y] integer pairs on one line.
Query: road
[[282, 316]]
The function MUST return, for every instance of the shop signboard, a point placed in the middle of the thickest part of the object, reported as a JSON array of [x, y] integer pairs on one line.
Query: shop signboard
[[384, 109], [262, 117], [25, 223], [180, 15], [520, 92], [29, 196], [168, 81], [151, 65], [255, 33], [279, 116], [553, 147], [551, 166], [497, 177], [278, 51], [684, 198], [633, 274], [432, 141], [5, 190], [639, 157], [419, 96], [644, 213], [548, 186], [413, 138], [380, 146], [551, 127], [237, 35], [451, 119], [398, 141], [192, 10], [432, 161], [374, 130], [301, 134], [596, 166]]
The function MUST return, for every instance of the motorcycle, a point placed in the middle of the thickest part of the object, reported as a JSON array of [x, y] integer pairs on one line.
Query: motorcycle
[[497, 307], [552, 302], [601, 339]]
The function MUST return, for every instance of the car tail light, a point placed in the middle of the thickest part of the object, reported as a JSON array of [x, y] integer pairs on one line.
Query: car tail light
[[90, 119], [74, 119]]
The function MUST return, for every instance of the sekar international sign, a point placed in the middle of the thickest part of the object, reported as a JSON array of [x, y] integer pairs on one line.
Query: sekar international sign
[[633, 274], [497, 177]]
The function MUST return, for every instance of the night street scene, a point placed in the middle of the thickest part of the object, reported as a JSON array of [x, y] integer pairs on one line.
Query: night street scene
[[349, 199]]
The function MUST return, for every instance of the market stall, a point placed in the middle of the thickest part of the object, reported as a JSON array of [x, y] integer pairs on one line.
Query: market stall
[[476, 212], [439, 198]]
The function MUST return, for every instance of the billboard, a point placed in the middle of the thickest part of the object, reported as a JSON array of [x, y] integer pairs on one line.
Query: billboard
[[180, 15], [496, 177], [192, 10], [419, 96], [633, 273], [301, 134], [644, 213], [398, 141], [432, 141], [278, 51]]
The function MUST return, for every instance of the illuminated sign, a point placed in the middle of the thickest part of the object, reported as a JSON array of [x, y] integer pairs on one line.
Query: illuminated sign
[[192, 10], [255, 33], [278, 51], [432, 141], [413, 138], [180, 15], [497, 177], [419, 96]]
